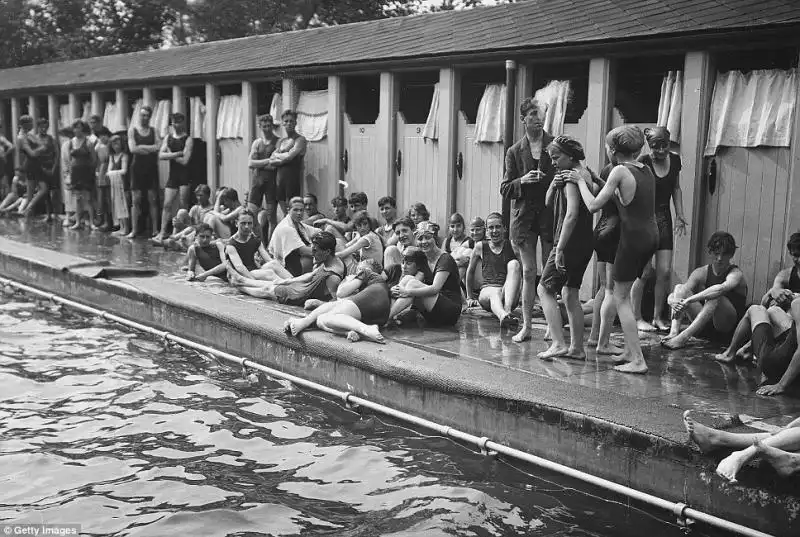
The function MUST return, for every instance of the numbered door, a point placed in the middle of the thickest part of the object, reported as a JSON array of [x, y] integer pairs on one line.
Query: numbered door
[[416, 160], [479, 168], [360, 163]]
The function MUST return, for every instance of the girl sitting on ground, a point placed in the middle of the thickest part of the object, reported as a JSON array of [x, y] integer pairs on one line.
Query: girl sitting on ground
[[15, 198], [367, 244], [225, 214], [458, 244], [362, 306], [438, 299], [186, 222], [404, 231]]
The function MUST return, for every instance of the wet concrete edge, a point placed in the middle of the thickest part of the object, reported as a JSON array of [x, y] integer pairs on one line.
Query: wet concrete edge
[[620, 438]]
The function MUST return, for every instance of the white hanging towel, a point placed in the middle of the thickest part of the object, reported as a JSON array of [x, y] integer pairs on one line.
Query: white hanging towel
[[556, 96], [431, 129], [670, 105], [312, 115], [275, 110], [197, 118], [490, 123], [752, 110]]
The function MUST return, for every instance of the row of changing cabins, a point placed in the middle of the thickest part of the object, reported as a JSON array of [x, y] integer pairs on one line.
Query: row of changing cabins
[[374, 132]]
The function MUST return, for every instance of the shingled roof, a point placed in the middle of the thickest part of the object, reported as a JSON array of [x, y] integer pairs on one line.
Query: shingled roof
[[513, 27]]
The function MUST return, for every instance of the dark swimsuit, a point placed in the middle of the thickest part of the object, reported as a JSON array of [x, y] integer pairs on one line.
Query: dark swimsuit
[[247, 251], [606, 232], [144, 168], [447, 309], [495, 266], [263, 182], [665, 187], [82, 171], [289, 178], [578, 250], [209, 258], [738, 301], [794, 280], [178, 173], [638, 229], [296, 293], [373, 301]]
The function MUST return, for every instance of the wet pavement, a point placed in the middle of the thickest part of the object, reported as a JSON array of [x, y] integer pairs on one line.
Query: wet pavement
[[683, 379]]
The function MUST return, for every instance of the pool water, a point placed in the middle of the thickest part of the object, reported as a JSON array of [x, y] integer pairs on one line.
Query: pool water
[[105, 428]]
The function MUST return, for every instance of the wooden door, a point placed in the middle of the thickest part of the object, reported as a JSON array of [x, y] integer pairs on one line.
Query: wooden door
[[417, 180], [478, 188], [361, 171], [750, 201], [233, 170], [317, 172]]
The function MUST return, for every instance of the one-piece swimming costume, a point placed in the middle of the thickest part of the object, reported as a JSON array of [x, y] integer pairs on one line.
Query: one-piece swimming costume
[[665, 186], [247, 250], [81, 168], [144, 168], [638, 229], [495, 266], [606, 232], [178, 173], [373, 302]]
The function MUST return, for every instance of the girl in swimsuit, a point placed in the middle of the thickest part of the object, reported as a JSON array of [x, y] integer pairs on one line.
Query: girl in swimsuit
[[633, 185], [362, 306], [666, 167], [404, 231], [367, 244]]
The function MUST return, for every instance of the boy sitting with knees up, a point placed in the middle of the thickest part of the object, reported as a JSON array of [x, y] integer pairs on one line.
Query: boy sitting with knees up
[[713, 299], [786, 286], [209, 254], [500, 269]]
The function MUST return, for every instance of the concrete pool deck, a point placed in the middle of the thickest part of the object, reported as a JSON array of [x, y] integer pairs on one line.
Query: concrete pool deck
[[583, 414]]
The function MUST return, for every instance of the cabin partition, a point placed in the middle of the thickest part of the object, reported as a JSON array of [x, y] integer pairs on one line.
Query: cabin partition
[[360, 161], [233, 152]]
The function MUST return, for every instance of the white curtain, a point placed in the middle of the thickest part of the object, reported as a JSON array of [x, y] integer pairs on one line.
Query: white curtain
[[431, 129], [229, 117], [751, 110], [161, 113], [64, 119], [275, 110], [670, 105], [113, 119], [312, 115], [137, 110], [198, 120], [490, 123], [556, 96], [87, 111]]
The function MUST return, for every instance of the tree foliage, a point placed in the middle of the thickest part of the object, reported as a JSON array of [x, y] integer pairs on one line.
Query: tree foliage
[[40, 31]]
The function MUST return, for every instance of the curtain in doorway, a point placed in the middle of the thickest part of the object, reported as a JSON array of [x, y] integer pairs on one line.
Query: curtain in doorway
[[137, 109], [312, 115], [198, 122], [753, 109], [112, 118], [490, 122], [160, 120], [431, 129], [229, 117], [64, 119], [556, 96], [275, 110], [87, 111], [670, 105]]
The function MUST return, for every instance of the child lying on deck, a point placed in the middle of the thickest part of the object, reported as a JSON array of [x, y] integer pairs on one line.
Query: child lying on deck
[[362, 306]]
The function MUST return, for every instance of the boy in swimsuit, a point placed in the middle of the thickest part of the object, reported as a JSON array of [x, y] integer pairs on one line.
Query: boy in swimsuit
[[713, 299], [310, 209], [404, 237], [209, 254], [786, 286], [502, 273], [387, 206], [242, 248]]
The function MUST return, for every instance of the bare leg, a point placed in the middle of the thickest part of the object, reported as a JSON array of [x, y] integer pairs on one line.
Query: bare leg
[[266, 291], [786, 440], [663, 281], [392, 256], [184, 193], [576, 323], [783, 462], [511, 289], [220, 228], [708, 439], [681, 291], [527, 255], [552, 314], [491, 299], [633, 348], [608, 312], [753, 316], [136, 211], [637, 292], [711, 312], [170, 200], [155, 213], [594, 333], [346, 319], [293, 327], [40, 194]]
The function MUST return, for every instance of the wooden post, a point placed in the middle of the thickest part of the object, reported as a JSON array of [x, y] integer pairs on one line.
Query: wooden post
[[212, 168], [75, 107], [449, 103], [122, 106], [336, 103], [98, 106], [178, 100], [149, 97], [15, 114], [793, 216], [598, 111], [389, 103], [4, 120], [698, 85], [53, 115], [508, 133], [524, 89], [289, 95], [248, 122], [33, 109]]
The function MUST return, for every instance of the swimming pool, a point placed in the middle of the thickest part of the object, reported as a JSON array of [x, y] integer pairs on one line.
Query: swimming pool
[[107, 429]]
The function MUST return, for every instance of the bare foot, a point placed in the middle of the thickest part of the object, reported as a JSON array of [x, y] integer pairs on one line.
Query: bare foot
[[591, 342], [553, 351], [131, 235], [706, 438], [372, 333], [644, 326], [725, 357], [352, 336], [576, 353], [661, 325], [523, 335], [609, 350], [77, 226], [547, 336], [674, 343], [293, 327], [638, 367], [729, 467], [785, 463]]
